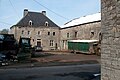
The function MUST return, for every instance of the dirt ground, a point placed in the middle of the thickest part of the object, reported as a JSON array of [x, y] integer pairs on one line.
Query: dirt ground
[[44, 59], [64, 57]]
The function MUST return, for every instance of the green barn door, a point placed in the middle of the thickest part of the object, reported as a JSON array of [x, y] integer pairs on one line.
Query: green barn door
[[85, 47]]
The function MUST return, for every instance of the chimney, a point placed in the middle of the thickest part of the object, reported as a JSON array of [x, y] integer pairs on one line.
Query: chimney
[[44, 13], [25, 12]]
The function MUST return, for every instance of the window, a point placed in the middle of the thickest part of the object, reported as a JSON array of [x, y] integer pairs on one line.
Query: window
[[48, 33], [24, 41], [22, 31], [39, 39], [39, 43], [67, 35], [1, 37], [53, 33], [100, 37], [92, 34], [28, 32], [38, 32], [75, 34], [30, 23], [6, 37], [46, 23], [51, 42]]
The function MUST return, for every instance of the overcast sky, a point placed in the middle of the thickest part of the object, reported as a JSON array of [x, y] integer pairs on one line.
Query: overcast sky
[[11, 11]]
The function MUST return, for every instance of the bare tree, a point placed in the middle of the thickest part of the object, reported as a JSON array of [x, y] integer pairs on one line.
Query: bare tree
[[4, 31]]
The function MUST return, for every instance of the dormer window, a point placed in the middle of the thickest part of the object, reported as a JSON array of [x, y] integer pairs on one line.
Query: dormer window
[[46, 23], [30, 23]]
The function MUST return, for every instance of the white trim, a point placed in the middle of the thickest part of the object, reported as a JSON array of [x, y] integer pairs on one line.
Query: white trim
[[30, 23], [83, 41], [46, 23]]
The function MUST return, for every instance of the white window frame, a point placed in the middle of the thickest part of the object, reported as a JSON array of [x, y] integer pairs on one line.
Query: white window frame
[[51, 43], [30, 23], [46, 23]]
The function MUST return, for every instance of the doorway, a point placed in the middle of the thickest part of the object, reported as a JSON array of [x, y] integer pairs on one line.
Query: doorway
[[39, 42]]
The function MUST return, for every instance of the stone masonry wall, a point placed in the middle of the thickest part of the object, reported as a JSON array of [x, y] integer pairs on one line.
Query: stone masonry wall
[[83, 33], [42, 37], [110, 57]]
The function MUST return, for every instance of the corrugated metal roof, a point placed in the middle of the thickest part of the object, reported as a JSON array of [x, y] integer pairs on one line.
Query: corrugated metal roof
[[82, 20]]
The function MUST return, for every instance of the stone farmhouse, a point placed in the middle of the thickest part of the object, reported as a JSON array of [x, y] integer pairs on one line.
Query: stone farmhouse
[[45, 33], [37, 26]]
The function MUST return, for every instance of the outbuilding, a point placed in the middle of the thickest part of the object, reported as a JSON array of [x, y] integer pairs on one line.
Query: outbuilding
[[82, 46]]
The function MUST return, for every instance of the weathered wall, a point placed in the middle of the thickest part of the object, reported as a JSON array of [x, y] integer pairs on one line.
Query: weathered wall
[[43, 36], [83, 33], [110, 58]]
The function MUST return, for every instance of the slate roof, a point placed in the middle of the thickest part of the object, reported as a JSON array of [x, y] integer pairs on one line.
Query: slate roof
[[38, 20]]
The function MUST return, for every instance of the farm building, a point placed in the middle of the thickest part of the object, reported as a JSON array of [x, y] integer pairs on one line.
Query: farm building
[[83, 28], [46, 34]]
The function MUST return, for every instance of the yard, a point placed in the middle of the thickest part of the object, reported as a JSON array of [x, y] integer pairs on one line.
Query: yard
[[42, 59], [64, 57]]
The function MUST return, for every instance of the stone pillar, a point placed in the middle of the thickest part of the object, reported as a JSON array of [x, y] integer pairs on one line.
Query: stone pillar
[[110, 48]]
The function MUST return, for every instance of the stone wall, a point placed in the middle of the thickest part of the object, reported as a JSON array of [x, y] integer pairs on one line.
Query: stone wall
[[110, 58], [39, 35], [83, 32]]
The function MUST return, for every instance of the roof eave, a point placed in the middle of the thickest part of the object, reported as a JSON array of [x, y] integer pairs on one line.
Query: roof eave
[[80, 24]]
